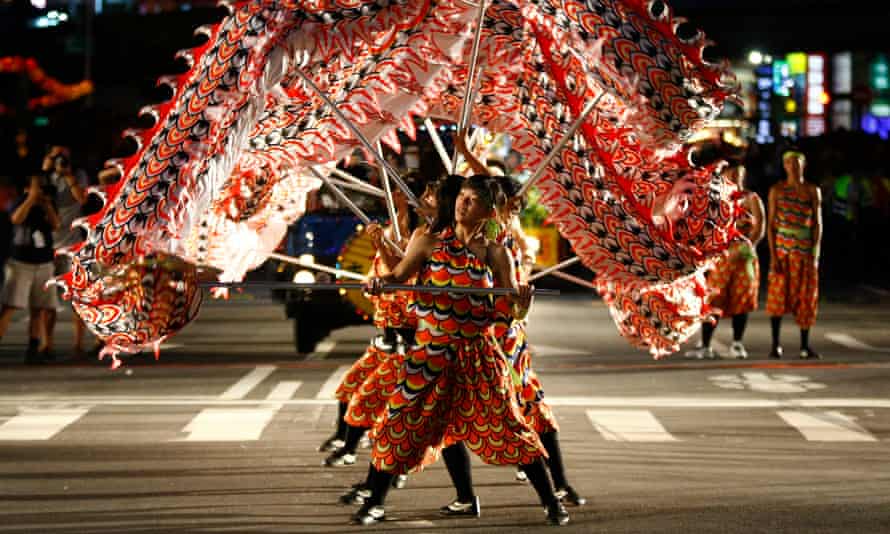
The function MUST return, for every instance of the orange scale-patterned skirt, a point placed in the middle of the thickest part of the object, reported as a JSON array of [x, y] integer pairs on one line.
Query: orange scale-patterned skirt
[[368, 404], [453, 386], [459, 393], [360, 371], [529, 391]]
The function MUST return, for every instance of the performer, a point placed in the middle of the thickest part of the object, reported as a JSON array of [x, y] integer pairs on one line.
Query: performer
[[512, 338], [396, 331], [735, 279], [453, 386], [794, 233], [368, 403]]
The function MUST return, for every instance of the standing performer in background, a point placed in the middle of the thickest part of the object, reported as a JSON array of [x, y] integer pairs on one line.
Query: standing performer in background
[[794, 231], [735, 279]]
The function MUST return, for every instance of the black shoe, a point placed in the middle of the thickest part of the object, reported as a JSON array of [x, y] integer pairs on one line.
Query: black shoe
[[48, 355], [369, 514], [399, 481], [568, 495], [557, 514], [776, 353], [462, 509], [807, 353], [34, 356], [358, 494], [339, 458], [331, 444]]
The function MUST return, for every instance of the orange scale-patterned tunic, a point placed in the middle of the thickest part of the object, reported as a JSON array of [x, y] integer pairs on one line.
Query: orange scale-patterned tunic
[[366, 386], [796, 289], [453, 386], [735, 278], [511, 336]]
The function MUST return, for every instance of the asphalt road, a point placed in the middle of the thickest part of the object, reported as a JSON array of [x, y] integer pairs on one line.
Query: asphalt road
[[219, 435]]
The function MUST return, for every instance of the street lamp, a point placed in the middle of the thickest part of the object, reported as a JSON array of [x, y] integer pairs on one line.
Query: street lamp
[[755, 57]]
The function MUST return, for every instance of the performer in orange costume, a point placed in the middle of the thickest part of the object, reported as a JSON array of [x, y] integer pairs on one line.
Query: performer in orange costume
[[735, 279], [794, 232], [360, 399], [453, 386]]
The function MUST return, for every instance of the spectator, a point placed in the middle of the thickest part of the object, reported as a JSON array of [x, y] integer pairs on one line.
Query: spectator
[[69, 195], [30, 267]]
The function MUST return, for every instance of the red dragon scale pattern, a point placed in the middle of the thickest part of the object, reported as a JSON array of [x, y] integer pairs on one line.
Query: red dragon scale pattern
[[226, 166]]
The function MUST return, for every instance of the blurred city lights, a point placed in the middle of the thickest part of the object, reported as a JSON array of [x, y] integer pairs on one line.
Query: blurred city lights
[[755, 57]]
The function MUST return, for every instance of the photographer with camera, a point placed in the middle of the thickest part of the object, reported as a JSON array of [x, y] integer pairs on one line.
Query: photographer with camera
[[70, 199], [34, 219]]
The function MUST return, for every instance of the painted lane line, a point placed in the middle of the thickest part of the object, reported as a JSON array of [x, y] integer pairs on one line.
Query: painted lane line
[[284, 391], [241, 388], [764, 382], [228, 424], [239, 424], [628, 425], [826, 426], [851, 342], [322, 349], [31, 424], [332, 383]]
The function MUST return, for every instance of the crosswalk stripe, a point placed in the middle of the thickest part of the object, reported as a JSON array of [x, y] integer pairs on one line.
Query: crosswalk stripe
[[239, 424], [228, 424], [332, 383], [284, 390], [826, 426], [851, 342], [628, 425], [39, 424], [249, 381]]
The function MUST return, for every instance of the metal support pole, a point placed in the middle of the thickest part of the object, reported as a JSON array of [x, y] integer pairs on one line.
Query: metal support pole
[[352, 207], [362, 139], [437, 142], [369, 190], [390, 204], [559, 266], [561, 144], [312, 265], [469, 91], [357, 181], [387, 288]]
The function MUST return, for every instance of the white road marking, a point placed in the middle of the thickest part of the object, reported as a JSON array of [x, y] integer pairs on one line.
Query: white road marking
[[228, 424], [877, 290], [239, 423], [851, 342], [826, 426], [322, 349], [284, 390], [332, 383], [775, 383], [32, 424], [628, 425], [241, 388]]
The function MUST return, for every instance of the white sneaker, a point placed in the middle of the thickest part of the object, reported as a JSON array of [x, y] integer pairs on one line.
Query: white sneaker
[[737, 351], [701, 353]]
